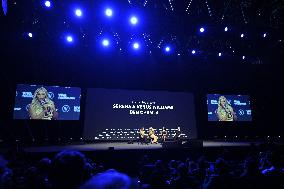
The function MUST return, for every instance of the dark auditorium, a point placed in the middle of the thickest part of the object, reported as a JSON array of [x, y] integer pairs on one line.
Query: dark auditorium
[[141, 94]]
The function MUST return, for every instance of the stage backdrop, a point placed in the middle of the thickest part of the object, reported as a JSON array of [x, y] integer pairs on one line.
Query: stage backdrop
[[118, 114], [66, 100], [240, 104]]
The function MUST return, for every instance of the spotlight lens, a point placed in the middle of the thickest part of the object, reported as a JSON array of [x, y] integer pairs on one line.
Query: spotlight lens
[[220, 54], [244, 57], [167, 49], [201, 30], [242, 35], [78, 12], [105, 42], [69, 38], [135, 45], [264, 35], [47, 3], [226, 29], [108, 12], [193, 52], [30, 34], [133, 20]]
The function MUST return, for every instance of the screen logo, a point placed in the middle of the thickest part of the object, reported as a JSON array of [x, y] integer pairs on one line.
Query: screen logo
[[51, 95], [65, 108]]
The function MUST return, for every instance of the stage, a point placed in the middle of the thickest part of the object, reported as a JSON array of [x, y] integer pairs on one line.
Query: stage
[[102, 146]]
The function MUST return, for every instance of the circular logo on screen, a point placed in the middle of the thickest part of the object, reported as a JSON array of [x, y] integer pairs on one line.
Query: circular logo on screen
[[28, 107], [241, 112], [51, 95], [65, 108]]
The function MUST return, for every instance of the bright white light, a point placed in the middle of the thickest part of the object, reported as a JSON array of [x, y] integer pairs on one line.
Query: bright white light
[[220, 54], [167, 49], [133, 20], [108, 12], [242, 35], [243, 57], [201, 30], [226, 29], [69, 38], [78, 12], [30, 35], [193, 52], [105, 42], [264, 35], [47, 3], [136, 45]]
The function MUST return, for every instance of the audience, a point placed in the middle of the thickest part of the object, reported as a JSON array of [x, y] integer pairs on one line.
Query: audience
[[74, 170]]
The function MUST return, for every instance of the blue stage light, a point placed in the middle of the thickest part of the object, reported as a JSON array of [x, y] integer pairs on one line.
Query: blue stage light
[[167, 49], [108, 12], [242, 35], [193, 52], [30, 35], [202, 30], [78, 12], [226, 29], [264, 35], [105, 42], [47, 4], [69, 39], [219, 54], [133, 20], [136, 45], [243, 57]]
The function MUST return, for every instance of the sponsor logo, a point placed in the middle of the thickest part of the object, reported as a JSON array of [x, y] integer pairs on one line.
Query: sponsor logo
[[248, 112], [28, 107], [64, 96], [51, 95], [76, 108], [241, 112], [27, 94], [65, 108], [214, 102], [239, 103]]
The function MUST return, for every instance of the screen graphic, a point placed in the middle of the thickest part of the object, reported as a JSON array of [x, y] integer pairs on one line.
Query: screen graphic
[[228, 107], [47, 102], [120, 114]]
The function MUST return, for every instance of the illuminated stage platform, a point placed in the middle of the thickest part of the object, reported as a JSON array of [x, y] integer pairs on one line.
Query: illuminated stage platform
[[137, 146]]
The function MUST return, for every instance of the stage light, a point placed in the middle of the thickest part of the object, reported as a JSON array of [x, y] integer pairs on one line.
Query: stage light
[[264, 35], [226, 29], [69, 39], [30, 35], [243, 57], [193, 52], [242, 35], [167, 49], [201, 30], [136, 45], [133, 20], [78, 12], [108, 12], [105, 42], [220, 54], [47, 4]]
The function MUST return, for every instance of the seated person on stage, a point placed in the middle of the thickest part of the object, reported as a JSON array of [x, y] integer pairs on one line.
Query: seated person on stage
[[153, 137], [177, 134], [142, 135], [164, 134]]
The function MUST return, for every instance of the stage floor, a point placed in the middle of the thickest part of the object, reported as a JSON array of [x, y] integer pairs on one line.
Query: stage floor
[[134, 146]]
